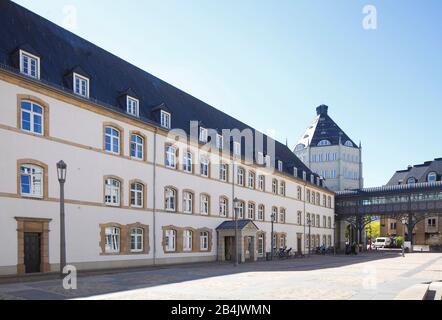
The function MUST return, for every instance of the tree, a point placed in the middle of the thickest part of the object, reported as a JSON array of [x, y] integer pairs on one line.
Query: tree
[[374, 229]]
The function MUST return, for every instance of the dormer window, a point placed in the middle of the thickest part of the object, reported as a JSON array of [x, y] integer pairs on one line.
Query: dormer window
[[432, 177], [268, 160], [132, 106], [29, 64], [312, 179], [203, 134], [348, 143], [304, 175], [279, 165], [219, 142], [81, 85], [237, 148], [324, 143], [165, 119], [260, 158], [411, 180], [300, 147]]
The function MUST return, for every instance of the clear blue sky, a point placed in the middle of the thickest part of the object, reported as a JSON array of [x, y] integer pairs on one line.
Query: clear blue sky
[[270, 63]]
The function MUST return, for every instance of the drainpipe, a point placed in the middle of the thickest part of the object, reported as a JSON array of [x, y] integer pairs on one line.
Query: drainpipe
[[154, 195], [305, 199]]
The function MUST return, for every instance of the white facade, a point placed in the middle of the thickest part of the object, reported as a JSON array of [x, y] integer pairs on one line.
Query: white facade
[[74, 132]]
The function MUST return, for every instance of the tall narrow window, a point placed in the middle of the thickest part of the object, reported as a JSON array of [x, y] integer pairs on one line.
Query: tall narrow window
[[261, 245], [165, 119], [281, 215], [261, 212], [268, 161], [204, 241], [282, 188], [112, 140], [81, 85], [188, 162], [251, 211], [204, 166], [261, 183], [279, 165], [188, 202], [329, 202], [132, 106], [299, 193], [219, 142], [112, 243], [241, 208], [203, 134], [170, 240], [329, 223], [112, 192], [324, 222], [260, 158], [324, 200], [275, 214], [170, 199], [136, 195], [204, 204], [223, 207], [223, 173], [251, 180], [240, 176], [31, 181], [187, 239], [299, 218], [275, 186], [237, 148], [32, 116], [136, 147], [171, 156], [136, 240], [29, 65]]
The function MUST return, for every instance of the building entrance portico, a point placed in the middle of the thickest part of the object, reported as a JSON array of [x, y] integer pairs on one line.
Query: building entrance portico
[[247, 244]]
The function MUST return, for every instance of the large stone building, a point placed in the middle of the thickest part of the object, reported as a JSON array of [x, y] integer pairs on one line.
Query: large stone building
[[329, 152], [138, 190], [429, 230]]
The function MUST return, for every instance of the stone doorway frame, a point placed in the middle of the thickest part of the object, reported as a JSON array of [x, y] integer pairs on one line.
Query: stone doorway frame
[[35, 225]]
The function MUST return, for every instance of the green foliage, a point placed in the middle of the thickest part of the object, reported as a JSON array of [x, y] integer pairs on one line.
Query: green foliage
[[374, 229], [399, 241]]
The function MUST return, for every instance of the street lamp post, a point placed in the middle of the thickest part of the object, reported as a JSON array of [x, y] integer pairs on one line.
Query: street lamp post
[[235, 206], [61, 172], [403, 236], [273, 240]]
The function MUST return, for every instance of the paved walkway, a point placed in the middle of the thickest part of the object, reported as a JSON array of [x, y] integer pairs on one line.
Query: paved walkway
[[366, 276]]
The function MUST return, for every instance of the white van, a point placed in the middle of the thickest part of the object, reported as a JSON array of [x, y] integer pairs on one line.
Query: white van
[[382, 242]]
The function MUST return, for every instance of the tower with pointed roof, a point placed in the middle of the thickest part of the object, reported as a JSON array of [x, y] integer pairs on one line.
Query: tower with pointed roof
[[328, 151]]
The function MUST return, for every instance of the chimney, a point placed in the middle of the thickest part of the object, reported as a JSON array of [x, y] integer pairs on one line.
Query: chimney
[[409, 167], [322, 110]]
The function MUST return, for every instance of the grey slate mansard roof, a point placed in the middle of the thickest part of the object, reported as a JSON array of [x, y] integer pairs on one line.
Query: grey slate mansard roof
[[324, 128], [419, 172], [62, 52]]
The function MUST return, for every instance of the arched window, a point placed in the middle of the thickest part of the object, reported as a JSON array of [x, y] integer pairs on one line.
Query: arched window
[[411, 180], [170, 242], [204, 241], [274, 214], [240, 176], [432, 177], [324, 143], [187, 240], [251, 211], [188, 162], [223, 172], [170, 199], [112, 243], [281, 215], [31, 180], [137, 147], [112, 140], [348, 143], [261, 182], [282, 188], [136, 195], [136, 240], [223, 207], [251, 180], [275, 186], [205, 204], [240, 208], [204, 166], [261, 212], [112, 192], [187, 202], [170, 158], [32, 116]]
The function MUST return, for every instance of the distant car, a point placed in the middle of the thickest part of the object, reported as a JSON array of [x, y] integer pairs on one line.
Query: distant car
[[382, 242]]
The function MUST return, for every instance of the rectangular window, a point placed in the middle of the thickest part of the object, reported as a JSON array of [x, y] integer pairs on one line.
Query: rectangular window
[[240, 177], [223, 207], [279, 165], [261, 245], [295, 172], [188, 202], [136, 147], [261, 183], [31, 181], [112, 140], [299, 218], [187, 240], [260, 158], [188, 162], [223, 172], [170, 156], [204, 166], [112, 192], [32, 117], [136, 240], [112, 243], [165, 119], [29, 65], [203, 134], [132, 106], [282, 215], [205, 203], [81, 85], [170, 240], [268, 161], [219, 142], [251, 180], [236, 148], [204, 241], [136, 195], [261, 213]]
